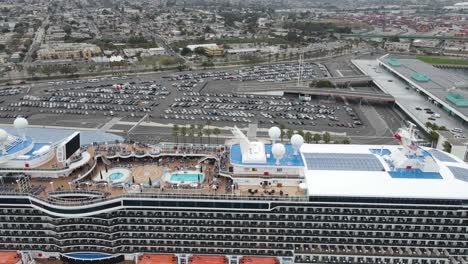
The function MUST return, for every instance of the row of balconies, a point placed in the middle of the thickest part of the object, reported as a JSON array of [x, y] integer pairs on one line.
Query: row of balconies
[[240, 218], [254, 240], [303, 218], [304, 210], [307, 223], [266, 228], [283, 213], [367, 250], [148, 248], [366, 260], [179, 231], [225, 226]]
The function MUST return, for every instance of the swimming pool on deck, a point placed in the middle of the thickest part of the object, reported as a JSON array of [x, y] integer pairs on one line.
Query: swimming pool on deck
[[186, 177]]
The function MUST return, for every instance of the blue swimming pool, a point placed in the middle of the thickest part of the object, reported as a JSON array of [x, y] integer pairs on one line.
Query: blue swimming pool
[[88, 255], [116, 176], [188, 176]]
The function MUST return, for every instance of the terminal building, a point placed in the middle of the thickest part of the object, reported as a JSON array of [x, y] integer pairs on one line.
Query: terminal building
[[425, 94], [446, 90]]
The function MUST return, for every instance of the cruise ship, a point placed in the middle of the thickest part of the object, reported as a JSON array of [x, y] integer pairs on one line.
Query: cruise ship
[[248, 200]]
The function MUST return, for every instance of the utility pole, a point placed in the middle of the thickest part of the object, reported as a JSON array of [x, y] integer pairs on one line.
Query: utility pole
[[301, 61]]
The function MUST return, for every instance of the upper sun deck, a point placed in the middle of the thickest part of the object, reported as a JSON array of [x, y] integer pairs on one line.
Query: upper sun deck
[[367, 171], [289, 159]]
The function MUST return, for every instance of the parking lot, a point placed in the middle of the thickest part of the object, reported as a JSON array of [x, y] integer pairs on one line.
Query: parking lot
[[182, 98]]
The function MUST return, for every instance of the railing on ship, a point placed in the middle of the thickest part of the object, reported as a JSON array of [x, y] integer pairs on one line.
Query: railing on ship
[[49, 169], [164, 149], [185, 196]]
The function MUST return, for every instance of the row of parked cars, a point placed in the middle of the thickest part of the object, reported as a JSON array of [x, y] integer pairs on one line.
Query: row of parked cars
[[263, 73], [108, 99]]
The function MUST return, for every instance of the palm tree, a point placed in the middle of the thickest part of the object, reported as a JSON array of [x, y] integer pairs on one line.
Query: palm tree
[[216, 132], [308, 137], [175, 133], [208, 132], [192, 132], [289, 133], [183, 132], [200, 132], [326, 137], [317, 137], [282, 128], [300, 132]]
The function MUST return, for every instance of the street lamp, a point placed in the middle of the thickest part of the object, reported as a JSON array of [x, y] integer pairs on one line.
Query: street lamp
[[52, 185], [69, 185]]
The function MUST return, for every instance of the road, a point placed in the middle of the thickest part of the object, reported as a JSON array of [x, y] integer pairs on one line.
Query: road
[[36, 44]]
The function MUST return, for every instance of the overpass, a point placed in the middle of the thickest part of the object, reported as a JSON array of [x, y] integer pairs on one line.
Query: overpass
[[358, 79], [364, 36], [376, 97]]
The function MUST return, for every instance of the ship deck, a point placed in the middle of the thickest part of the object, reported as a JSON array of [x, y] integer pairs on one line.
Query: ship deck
[[147, 167]]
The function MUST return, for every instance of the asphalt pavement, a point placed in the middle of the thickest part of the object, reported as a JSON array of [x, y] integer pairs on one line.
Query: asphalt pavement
[[210, 100]]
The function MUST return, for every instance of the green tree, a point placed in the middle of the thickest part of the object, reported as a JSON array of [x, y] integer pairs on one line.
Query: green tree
[[324, 84], [200, 132], [428, 124], [200, 51], [289, 133], [317, 137], [67, 29], [192, 132], [283, 129], [175, 133], [308, 137], [346, 141], [434, 136], [394, 38], [185, 51], [207, 63], [208, 133], [300, 132], [67, 69], [447, 146], [326, 137], [31, 71], [48, 70], [183, 133], [216, 132], [181, 67]]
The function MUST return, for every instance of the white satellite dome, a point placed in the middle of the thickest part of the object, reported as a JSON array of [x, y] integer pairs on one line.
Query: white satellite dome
[[274, 133], [3, 136], [297, 141], [20, 123], [278, 151]]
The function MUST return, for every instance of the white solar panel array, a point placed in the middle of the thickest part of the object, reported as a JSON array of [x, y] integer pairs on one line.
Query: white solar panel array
[[441, 156], [343, 162], [11, 142], [459, 173]]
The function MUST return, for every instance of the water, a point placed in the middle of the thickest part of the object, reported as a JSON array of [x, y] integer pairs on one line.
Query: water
[[186, 177], [116, 176], [88, 255]]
